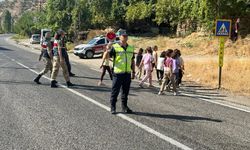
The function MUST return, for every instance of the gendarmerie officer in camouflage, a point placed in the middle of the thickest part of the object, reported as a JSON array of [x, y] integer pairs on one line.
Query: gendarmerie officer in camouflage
[[59, 54], [47, 56]]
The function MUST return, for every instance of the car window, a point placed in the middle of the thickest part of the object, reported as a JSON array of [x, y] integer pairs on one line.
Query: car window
[[36, 37], [92, 41], [101, 41]]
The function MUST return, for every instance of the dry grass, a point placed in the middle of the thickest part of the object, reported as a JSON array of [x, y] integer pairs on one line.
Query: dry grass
[[235, 73], [195, 44]]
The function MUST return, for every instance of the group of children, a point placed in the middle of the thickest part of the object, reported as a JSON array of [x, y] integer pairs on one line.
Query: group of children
[[169, 68]]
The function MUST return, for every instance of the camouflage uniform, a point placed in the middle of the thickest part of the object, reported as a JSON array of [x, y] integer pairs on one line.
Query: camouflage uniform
[[47, 51], [46, 55], [59, 46]]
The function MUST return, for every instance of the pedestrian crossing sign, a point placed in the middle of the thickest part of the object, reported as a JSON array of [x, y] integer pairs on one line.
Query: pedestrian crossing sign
[[223, 27]]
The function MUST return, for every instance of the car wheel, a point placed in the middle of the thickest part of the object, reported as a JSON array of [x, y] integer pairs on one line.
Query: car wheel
[[89, 54], [81, 57]]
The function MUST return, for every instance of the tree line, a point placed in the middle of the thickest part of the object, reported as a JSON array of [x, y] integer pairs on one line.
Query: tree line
[[137, 16]]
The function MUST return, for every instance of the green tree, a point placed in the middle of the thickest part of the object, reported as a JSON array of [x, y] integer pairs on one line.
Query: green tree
[[138, 11], [24, 24], [7, 21], [167, 11], [81, 16], [100, 12], [59, 14], [118, 13]]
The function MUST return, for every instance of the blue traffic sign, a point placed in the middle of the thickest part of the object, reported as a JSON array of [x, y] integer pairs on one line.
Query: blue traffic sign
[[223, 27]]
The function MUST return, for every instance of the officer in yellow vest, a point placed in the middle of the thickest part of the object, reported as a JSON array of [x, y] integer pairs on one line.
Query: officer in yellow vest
[[47, 57], [123, 65], [59, 54]]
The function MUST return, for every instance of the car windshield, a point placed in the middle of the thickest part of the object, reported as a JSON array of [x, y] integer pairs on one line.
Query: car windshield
[[36, 36], [93, 41]]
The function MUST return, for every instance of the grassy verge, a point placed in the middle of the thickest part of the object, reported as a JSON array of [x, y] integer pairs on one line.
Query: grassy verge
[[235, 74], [18, 37]]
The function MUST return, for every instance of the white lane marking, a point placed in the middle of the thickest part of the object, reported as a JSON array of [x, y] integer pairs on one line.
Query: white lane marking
[[219, 103], [125, 117]]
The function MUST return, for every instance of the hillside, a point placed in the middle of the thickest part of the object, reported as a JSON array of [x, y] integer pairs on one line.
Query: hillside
[[17, 7]]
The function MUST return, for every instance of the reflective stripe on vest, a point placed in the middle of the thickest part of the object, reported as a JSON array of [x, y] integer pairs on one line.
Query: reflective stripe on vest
[[122, 62]]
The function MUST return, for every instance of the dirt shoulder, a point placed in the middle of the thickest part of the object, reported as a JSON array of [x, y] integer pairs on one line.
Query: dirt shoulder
[[192, 86]]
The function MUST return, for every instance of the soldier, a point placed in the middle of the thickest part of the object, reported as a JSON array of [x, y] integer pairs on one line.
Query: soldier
[[59, 52], [124, 65], [68, 63], [46, 54]]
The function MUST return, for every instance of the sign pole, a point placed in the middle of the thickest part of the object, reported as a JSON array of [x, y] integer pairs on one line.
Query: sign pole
[[220, 72], [222, 30], [221, 56]]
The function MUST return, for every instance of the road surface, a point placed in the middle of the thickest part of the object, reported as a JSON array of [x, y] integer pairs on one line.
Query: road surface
[[38, 117]]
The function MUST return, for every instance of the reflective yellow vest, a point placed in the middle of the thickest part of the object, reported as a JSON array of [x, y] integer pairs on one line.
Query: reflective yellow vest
[[123, 59]]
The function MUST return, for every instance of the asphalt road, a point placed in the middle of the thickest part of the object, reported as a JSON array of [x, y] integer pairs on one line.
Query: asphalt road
[[38, 117]]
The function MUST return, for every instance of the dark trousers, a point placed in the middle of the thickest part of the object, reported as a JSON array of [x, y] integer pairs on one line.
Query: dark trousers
[[104, 68], [67, 62], [180, 76], [120, 81], [160, 74]]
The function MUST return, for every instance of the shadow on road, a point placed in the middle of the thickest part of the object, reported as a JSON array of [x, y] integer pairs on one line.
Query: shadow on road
[[85, 77], [16, 68], [92, 88], [5, 49], [95, 57], [24, 82], [177, 117]]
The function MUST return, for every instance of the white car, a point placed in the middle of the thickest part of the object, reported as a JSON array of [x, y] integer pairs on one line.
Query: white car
[[35, 39], [43, 32], [95, 46]]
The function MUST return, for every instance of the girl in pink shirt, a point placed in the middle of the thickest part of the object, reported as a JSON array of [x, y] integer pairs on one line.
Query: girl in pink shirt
[[147, 60], [169, 73]]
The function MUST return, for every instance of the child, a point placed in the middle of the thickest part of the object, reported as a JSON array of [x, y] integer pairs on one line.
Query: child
[[176, 65], [168, 72], [138, 62], [181, 68], [155, 57], [105, 66], [160, 67], [147, 62]]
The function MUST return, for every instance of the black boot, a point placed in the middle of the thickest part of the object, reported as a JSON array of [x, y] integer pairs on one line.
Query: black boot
[[112, 110], [126, 109], [69, 84], [53, 84], [37, 79], [71, 74]]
